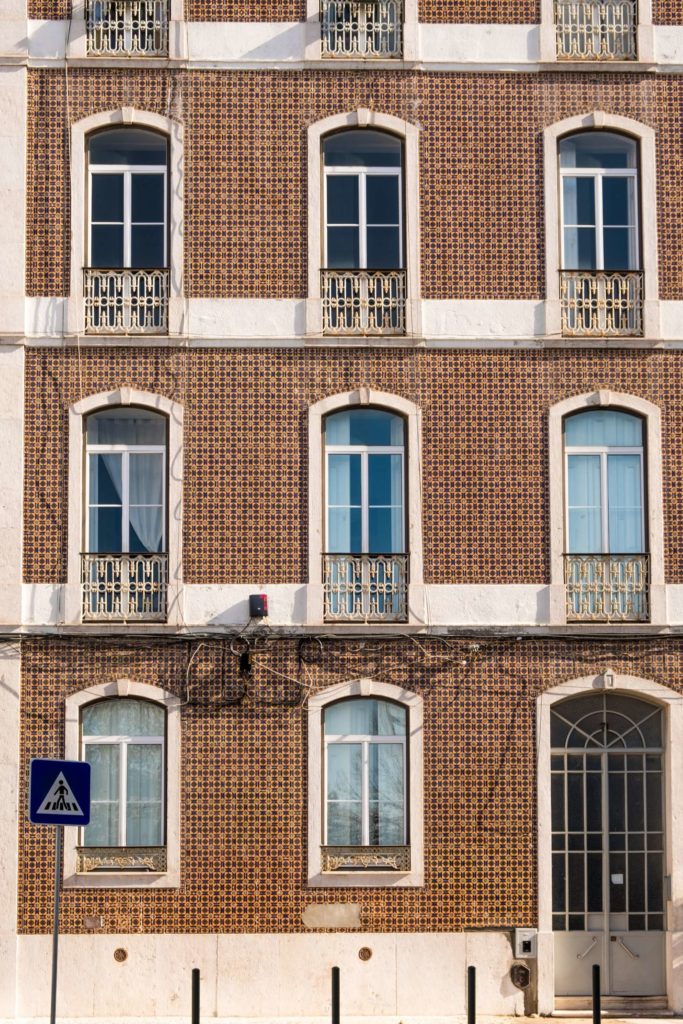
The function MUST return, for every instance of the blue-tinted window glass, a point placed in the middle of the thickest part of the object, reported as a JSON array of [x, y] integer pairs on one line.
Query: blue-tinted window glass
[[603, 427], [105, 479], [625, 503], [617, 248], [362, 148], [598, 149], [107, 197], [106, 245], [382, 199], [365, 716], [343, 249], [372, 427], [129, 426], [342, 199], [147, 247], [105, 533], [579, 249], [617, 206], [383, 248], [128, 146], [579, 200], [148, 200]]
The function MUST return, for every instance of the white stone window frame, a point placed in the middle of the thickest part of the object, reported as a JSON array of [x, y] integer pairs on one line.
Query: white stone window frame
[[77, 495], [645, 47], [409, 135], [177, 39], [170, 879], [646, 200], [672, 703], [410, 38], [126, 117], [652, 495], [317, 703], [364, 398]]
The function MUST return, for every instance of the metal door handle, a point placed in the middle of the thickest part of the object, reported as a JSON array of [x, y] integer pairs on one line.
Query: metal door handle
[[580, 956], [634, 956]]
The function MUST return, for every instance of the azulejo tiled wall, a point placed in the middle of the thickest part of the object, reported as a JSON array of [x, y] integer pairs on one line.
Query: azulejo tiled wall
[[483, 460], [246, 203], [243, 819]]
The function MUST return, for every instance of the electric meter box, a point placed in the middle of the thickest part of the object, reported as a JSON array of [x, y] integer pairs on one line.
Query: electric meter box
[[525, 943]]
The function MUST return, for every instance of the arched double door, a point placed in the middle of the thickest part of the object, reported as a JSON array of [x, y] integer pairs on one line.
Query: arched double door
[[608, 832]]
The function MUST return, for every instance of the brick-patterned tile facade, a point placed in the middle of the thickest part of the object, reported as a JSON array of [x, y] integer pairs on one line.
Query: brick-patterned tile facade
[[484, 450], [243, 817], [501, 12], [667, 12], [246, 204]]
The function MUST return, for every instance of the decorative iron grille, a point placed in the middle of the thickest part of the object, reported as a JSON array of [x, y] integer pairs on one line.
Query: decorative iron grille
[[363, 301], [124, 587], [126, 301], [365, 588], [596, 29], [362, 28], [600, 303], [365, 858], [129, 28], [607, 588], [121, 858]]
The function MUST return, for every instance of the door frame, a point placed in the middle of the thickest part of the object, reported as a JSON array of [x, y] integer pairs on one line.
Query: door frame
[[672, 704]]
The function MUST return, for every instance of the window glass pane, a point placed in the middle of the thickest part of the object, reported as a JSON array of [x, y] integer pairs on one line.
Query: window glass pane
[[343, 248], [618, 249], [383, 248], [344, 533], [385, 778], [344, 824], [105, 479], [386, 530], [123, 717], [147, 198], [103, 829], [146, 530], [344, 771], [147, 247], [598, 149], [146, 479], [617, 203], [127, 146], [382, 198], [342, 199], [107, 197], [104, 526], [579, 249], [625, 503], [604, 427], [145, 787], [343, 487], [585, 531], [385, 479], [128, 426], [365, 717], [106, 246], [371, 427], [362, 148], [579, 200]]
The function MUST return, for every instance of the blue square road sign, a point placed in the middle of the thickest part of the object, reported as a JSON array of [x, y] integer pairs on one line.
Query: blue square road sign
[[59, 792]]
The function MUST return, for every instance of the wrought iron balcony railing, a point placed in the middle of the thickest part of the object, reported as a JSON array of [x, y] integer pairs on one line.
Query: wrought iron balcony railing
[[595, 29], [361, 28], [127, 28], [124, 588], [365, 588], [363, 301], [365, 858], [126, 301], [607, 588], [600, 303], [121, 858]]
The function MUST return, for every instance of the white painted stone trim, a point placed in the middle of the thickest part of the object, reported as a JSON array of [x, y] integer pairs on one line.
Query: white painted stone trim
[[173, 131], [644, 37], [10, 812], [316, 501], [651, 414], [76, 32], [648, 205], [76, 512], [369, 879], [72, 749], [409, 133], [672, 702]]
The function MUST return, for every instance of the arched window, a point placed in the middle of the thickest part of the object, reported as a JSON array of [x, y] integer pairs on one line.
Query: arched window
[[606, 565], [123, 740], [125, 565], [363, 284], [127, 238], [602, 287], [365, 773], [366, 563]]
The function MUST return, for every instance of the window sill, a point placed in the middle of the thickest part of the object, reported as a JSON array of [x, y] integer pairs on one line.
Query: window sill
[[368, 867]]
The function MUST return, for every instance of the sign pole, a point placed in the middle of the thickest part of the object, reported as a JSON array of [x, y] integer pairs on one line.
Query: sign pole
[[59, 830]]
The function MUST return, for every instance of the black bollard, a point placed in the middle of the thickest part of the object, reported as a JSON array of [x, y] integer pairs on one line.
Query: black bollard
[[471, 994], [195, 995], [335, 995], [596, 993]]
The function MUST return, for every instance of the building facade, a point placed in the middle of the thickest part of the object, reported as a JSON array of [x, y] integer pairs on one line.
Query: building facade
[[341, 400]]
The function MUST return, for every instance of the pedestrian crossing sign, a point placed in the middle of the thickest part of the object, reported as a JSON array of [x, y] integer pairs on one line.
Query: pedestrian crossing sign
[[59, 792]]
